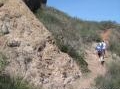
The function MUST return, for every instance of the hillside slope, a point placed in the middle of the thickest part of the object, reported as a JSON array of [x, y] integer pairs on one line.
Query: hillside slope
[[94, 65], [82, 36], [72, 35], [30, 49]]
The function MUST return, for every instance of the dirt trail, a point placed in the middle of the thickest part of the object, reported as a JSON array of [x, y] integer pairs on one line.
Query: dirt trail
[[106, 34], [94, 65]]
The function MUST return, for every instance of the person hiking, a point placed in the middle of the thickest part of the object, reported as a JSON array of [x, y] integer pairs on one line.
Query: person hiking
[[103, 48], [99, 49]]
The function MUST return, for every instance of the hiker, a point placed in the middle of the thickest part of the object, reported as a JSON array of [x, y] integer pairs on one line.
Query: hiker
[[100, 51], [103, 48]]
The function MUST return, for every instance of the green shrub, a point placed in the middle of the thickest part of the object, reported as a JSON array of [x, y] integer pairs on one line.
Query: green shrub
[[112, 78], [5, 81], [115, 47], [70, 28], [3, 61], [78, 57], [107, 24], [3, 1], [114, 43], [9, 83], [89, 36]]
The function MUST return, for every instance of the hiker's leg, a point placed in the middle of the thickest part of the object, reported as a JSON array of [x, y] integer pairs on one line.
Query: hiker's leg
[[103, 53], [99, 55], [101, 58], [102, 62]]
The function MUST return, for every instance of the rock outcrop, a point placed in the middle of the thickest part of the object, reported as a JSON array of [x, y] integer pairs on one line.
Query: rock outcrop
[[31, 49]]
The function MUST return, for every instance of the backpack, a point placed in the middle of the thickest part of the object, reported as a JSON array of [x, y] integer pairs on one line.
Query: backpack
[[99, 47]]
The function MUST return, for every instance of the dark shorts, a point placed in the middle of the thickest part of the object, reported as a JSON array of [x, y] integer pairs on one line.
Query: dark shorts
[[99, 53]]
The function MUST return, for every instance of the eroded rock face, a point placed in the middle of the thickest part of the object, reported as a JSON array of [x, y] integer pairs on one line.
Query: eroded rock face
[[31, 50], [35, 4]]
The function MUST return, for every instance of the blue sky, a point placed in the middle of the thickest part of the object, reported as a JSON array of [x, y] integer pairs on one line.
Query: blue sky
[[95, 10]]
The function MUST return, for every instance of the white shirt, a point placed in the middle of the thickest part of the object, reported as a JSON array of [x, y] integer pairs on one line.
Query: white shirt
[[104, 45]]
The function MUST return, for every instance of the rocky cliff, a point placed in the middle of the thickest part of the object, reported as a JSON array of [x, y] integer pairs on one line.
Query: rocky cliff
[[31, 50]]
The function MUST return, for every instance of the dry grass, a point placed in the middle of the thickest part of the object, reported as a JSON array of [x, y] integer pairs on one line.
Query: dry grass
[[3, 1], [71, 32], [112, 78]]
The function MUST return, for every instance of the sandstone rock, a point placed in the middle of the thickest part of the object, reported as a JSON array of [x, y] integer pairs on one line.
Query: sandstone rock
[[5, 29], [31, 51], [13, 43]]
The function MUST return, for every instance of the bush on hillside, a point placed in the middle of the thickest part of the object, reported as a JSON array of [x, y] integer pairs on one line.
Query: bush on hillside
[[89, 36], [72, 28], [112, 78], [9, 83], [3, 61], [3, 1], [79, 58], [114, 45], [107, 24], [6, 82]]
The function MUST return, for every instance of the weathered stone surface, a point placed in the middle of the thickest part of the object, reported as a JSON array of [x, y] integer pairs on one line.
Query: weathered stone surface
[[4, 29], [13, 43], [31, 50]]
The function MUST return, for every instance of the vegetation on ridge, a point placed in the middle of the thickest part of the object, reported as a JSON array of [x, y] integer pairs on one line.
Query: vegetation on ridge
[[6, 82], [115, 41], [3, 61], [112, 78], [72, 34]]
